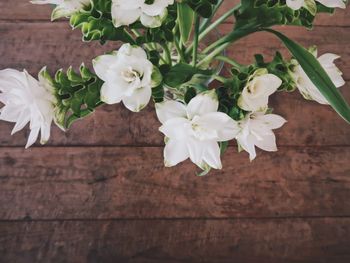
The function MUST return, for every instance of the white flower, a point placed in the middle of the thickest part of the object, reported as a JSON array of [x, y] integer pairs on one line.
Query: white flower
[[64, 8], [193, 131], [128, 77], [151, 13], [297, 4], [255, 96], [27, 100], [306, 86], [256, 130]]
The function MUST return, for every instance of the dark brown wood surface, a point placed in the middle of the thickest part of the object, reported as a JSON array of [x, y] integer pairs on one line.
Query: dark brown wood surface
[[100, 193]]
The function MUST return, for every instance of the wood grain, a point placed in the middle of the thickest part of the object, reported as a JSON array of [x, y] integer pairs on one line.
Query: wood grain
[[220, 241], [104, 183], [309, 123]]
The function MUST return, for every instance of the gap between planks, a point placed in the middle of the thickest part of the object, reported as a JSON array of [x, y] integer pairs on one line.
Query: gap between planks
[[267, 218]]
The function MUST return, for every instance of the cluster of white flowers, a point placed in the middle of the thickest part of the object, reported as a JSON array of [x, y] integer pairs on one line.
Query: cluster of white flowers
[[151, 13], [192, 131], [27, 100], [297, 4], [256, 128]]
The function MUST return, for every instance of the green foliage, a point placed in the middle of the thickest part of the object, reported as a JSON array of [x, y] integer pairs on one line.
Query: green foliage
[[202, 7], [77, 94], [182, 73], [96, 23], [266, 13]]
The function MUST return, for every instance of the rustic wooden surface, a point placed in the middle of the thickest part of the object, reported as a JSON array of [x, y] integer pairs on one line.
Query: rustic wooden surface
[[99, 193]]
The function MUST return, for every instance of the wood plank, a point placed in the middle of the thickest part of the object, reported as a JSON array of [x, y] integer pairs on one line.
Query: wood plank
[[114, 125], [220, 241], [23, 10], [105, 183]]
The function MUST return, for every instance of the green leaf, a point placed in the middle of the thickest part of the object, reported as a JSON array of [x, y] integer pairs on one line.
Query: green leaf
[[317, 75], [182, 73], [311, 6], [185, 20]]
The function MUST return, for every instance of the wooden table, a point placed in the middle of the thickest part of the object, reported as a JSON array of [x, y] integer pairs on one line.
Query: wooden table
[[100, 193]]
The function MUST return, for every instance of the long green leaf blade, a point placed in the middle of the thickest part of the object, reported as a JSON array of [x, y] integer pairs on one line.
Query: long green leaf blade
[[185, 19], [317, 75]]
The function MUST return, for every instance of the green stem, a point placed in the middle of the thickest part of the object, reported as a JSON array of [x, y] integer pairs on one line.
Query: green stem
[[214, 25], [220, 78], [229, 61], [212, 55], [195, 40], [219, 46]]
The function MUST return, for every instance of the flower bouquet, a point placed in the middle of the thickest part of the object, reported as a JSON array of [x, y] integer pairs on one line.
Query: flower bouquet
[[165, 57]]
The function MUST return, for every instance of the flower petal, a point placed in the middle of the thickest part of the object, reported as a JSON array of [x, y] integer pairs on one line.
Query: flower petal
[[150, 21], [273, 121], [226, 128], [111, 94], [124, 17], [295, 4], [196, 150], [45, 131], [203, 103], [132, 51], [327, 62], [138, 99], [267, 143], [211, 155], [33, 136], [175, 152], [21, 122], [102, 63], [176, 128], [247, 143], [170, 109], [333, 3]]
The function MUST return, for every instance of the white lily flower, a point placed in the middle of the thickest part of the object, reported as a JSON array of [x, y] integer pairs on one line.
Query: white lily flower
[[307, 87], [64, 8], [193, 131], [128, 77], [256, 130], [151, 13], [255, 96], [297, 4], [27, 100]]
